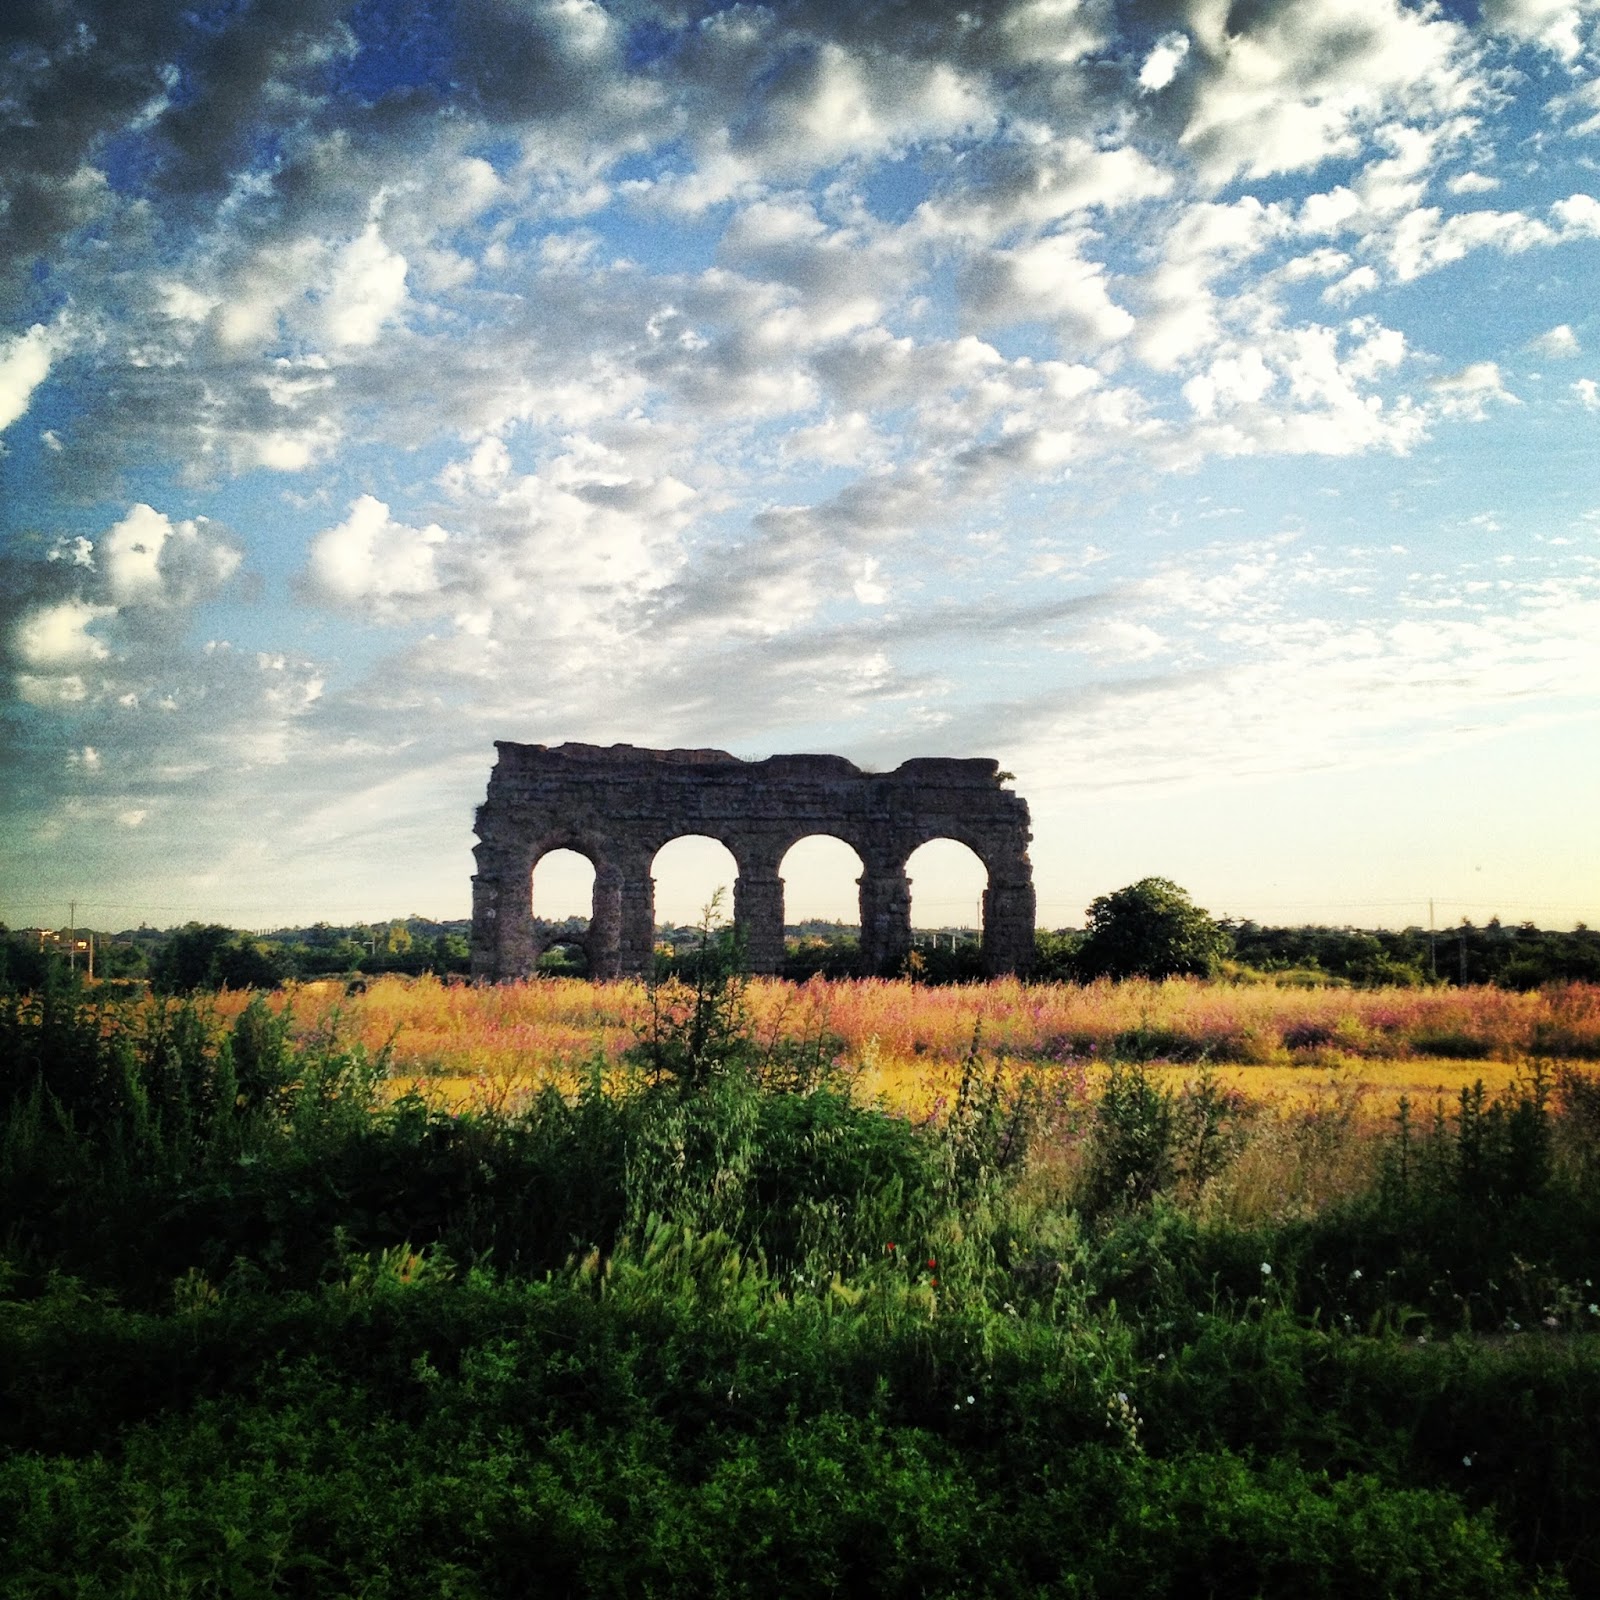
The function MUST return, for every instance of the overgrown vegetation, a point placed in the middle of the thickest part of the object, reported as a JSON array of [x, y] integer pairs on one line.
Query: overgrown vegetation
[[1149, 929], [715, 1323]]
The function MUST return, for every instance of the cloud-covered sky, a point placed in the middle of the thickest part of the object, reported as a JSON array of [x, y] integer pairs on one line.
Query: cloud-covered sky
[[1194, 406]]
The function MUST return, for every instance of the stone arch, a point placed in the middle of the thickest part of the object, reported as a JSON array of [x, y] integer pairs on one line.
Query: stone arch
[[788, 870], [961, 909], [682, 910], [564, 941], [1009, 903], [546, 858], [624, 803], [549, 932]]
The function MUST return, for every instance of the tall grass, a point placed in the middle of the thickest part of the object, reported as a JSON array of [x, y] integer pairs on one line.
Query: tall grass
[[696, 1315], [908, 1041]]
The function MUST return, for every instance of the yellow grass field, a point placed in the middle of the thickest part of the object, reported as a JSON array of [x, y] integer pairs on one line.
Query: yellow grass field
[[906, 1042]]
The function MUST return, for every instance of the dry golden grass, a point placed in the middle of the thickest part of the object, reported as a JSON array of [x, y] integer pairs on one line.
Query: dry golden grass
[[1290, 1046], [1322, 1071]]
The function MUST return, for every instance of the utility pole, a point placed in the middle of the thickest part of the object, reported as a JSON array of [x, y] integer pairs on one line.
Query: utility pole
[[1433, 947], [1462, 935], [72, 935]]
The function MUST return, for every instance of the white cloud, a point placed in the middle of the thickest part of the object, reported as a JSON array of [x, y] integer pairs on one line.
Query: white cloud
[[1578, 216], [1554, 24], [57, 636], [1185, 313], [370, 560], [1033, 186], [1287, 87], [838, 104], [1161, 65], [1047, 281], [55, 692], [149, 560], [1468, 393], [1559, 343], [1425, 240], [366, 289], [1586, 97], [868, 588], [1472, 183], [132, 554], [24, 364], [1230, 381], [1325, 377], [1588, 393], [842, 441], [1354, 284]]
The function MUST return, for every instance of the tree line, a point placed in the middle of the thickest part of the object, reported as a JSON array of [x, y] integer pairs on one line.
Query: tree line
[[1149, 929]]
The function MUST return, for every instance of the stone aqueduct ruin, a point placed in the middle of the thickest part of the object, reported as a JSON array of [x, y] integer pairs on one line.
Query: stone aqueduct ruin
[[619, 805]]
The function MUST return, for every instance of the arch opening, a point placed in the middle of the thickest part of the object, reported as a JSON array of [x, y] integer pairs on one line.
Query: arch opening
[[563, 892], [691, 872], [821, 877], [949, 888], [563, 958]]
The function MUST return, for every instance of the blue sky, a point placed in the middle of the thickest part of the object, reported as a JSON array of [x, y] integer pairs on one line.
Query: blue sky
[[1194, 407]]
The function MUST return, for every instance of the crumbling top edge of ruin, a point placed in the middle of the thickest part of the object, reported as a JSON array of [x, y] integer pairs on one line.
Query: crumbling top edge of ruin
[[968, 769]]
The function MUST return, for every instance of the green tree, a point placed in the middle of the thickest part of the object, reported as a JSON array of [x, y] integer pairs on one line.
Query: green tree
[[188, 960], [452, 953], [246, 963], [1151, 929]]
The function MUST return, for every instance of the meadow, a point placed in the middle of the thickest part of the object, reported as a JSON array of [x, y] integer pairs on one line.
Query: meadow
[[906, 1042], [715, 1286]]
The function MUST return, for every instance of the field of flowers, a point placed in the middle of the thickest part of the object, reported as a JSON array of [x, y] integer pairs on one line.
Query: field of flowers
[[907, 1042]]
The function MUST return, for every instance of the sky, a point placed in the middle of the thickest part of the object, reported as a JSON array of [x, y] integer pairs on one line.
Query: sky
[[1193, 406]]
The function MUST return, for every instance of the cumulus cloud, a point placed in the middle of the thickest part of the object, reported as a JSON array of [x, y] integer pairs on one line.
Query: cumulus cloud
[[24, 365], [366, 288], [1047, 281], [56, 636], [76, 625], [1162, 64], [370, 561], [1281, 88], [1556, 25], [149, 560]]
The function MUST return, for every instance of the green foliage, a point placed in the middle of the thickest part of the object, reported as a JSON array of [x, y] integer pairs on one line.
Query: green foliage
[[1149, 1139], [1055, 955], [722, 1327], [1523, 957], [696, 1027], [188, 960], [838, 956], [1151, 929]]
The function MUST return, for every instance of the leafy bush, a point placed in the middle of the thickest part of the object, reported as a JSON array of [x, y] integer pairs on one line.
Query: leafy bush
[[713, 1325], [1151, 929]]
